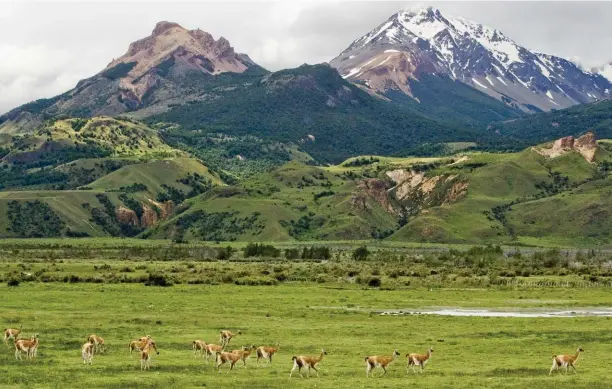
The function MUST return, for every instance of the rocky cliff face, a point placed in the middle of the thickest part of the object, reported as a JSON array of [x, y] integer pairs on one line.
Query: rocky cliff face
[[150, 216], [413, 43], [586, 145]]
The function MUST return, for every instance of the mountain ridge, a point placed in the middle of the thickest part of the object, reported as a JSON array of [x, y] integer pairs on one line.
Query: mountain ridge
[[410, 43]]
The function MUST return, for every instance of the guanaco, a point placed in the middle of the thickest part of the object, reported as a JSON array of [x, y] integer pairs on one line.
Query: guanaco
[[27, 346], [199, 347], [225, 357], [225, 337], [212, 350], [308, 362], [98, 343], [266, 352], [145, 354], [246, 353], [380, 361], [87, 352], [420, 360], [11, 333], [139, 344], [566, 361]]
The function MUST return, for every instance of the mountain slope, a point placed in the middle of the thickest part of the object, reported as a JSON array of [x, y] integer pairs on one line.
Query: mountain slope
[[314, 107], [396, 54], [157, 71]]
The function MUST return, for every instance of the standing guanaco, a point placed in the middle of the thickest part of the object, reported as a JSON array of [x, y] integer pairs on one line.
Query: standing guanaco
[[420, 360], [11, 333], [212, 350], [380, 361], [266, 352], [566, 361], [87, 352], [27, 346], [225, 337], [225, 357], [308, 362], [98, 343], [139, 344], [199, 347], [245, 353], [145, 354]]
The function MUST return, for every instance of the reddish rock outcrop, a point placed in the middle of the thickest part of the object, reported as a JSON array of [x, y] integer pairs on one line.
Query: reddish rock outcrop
[[586, 145], [376, 189], [149, 217], [126, 216]]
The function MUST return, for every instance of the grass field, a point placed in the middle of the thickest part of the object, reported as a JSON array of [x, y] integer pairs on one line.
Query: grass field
[[469, 352]]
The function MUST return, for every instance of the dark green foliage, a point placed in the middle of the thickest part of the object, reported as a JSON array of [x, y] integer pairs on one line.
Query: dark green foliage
[[198, 183], [225, 253], [361, 162], [17, 177], [261, 250], [107, 220], [374, 282], [34, 219], [134, 188], [441, 97], [326, 193], [292, 253], [13, 281], [78, 124], [361, 253], [303, 225], [158, 279], [298, 102], [40, 105], [119, 71], [316, 252], [548, 126], [218, 226]]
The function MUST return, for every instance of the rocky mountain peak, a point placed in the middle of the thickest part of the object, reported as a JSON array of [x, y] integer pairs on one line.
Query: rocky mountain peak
[[474, 54], [164, 26]]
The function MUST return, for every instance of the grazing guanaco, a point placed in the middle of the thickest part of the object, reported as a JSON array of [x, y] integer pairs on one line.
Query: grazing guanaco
[[212, 350], [98, 343], [266, 352], [225, 337], [225, 357], [245, 352], [87, 352], [11, 333], [380, 361], [199, 347], [420, 360], [27, 346], [566, 361], [139, 344], [145, 354], [308, 362]]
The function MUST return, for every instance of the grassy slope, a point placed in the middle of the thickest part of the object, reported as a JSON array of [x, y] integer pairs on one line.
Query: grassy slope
[[506, 178], [66, 204], [278, 197], [153, 174], [487, 346]]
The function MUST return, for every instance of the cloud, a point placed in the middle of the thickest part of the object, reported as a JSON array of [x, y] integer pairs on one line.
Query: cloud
[[46, 47]]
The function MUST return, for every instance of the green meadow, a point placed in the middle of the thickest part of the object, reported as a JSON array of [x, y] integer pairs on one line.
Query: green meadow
[[342, 318]]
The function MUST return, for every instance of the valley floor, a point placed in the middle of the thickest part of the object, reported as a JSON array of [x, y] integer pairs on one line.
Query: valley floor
[[469, 352]]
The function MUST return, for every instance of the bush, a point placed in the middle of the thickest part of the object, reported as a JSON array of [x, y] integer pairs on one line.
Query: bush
[[374, 282], [361, 253], [261, 250], [158, 279], [292, 253], [13, 281]]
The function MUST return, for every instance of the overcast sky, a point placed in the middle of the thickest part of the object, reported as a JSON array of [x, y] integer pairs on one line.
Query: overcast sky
[[47, 47]]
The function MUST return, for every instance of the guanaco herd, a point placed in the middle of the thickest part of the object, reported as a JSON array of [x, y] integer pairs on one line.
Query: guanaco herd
[[145, 345]]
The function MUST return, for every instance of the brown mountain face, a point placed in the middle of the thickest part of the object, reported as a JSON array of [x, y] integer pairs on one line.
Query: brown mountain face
[[160, 70]]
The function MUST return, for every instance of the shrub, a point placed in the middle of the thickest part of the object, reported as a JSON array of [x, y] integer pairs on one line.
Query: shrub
[[158, 279], [292, 253], [361, 253], [261, 250], [374, 282], [13, 281]]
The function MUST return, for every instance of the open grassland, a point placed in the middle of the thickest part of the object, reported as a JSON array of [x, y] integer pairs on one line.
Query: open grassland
[[469, 352]]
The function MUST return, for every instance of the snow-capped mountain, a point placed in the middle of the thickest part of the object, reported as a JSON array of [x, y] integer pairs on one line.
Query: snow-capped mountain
[[411, 43]]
